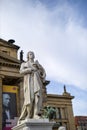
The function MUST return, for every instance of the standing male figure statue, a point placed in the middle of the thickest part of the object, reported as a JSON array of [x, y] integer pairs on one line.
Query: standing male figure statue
[[34, 78]]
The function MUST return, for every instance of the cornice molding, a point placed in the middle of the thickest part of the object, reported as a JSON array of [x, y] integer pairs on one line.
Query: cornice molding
[[60, 96], [9, 58], [7, 64]]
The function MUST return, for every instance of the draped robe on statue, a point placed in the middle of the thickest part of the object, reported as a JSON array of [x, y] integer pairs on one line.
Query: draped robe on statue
[[33, 83]]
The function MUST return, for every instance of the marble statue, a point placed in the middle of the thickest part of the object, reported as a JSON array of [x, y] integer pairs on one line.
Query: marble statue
[[34, 78]]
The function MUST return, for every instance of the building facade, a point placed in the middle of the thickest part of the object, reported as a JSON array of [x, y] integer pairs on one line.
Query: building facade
[[81, 122], [11, 85], [9, 82], [63, 105]]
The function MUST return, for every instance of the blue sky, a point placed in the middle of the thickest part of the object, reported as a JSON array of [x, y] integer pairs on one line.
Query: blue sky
[[56, 30]]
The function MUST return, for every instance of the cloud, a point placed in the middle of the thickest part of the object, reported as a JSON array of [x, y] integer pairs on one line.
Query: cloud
[[56, 36]]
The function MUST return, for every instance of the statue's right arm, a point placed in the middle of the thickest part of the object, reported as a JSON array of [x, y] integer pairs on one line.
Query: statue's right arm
[[25, 70]]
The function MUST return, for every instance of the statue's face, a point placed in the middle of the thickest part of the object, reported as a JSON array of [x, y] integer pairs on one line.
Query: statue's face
[[31, 55]]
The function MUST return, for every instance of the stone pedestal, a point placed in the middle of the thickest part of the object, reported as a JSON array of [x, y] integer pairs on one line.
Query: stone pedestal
[[34, 124]]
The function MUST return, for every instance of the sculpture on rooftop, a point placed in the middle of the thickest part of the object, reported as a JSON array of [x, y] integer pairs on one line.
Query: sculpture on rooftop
[[21, 56]]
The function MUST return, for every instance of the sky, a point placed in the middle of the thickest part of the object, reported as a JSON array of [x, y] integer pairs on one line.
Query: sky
[[56, 30]]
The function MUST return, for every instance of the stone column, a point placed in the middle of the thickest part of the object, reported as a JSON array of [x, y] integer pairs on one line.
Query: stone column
[[63, 113], [0, 103], [71, 118]]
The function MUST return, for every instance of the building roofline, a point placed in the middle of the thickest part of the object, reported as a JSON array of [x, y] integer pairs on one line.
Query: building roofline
[[60, 96], [10, 43]]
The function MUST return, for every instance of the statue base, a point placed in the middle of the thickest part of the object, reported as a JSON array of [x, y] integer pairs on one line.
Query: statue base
[[34, 124]]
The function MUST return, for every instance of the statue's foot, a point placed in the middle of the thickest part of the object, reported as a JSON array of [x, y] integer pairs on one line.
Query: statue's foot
[[27, 117], [19, 122], [37, 117]]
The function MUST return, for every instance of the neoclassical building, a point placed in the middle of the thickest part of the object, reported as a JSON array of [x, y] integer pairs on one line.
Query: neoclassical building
[[11, 85]]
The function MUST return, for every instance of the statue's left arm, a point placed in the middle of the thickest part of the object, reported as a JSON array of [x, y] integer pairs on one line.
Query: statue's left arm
[[41, 70]]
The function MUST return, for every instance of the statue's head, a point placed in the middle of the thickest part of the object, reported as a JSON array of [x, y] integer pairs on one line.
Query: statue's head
[[30, 55]]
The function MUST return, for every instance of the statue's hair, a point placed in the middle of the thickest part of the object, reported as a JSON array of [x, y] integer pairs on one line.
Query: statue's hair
[[28, 54]]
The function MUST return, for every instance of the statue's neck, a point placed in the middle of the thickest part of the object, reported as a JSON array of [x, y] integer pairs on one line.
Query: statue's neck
[[31, 60]]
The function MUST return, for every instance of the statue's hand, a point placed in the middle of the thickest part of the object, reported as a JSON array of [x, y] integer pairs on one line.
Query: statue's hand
[[33, 70]]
